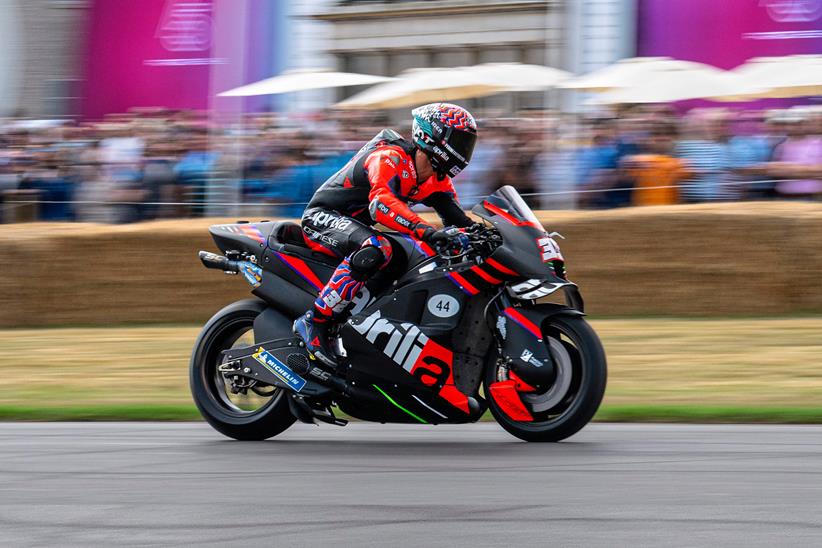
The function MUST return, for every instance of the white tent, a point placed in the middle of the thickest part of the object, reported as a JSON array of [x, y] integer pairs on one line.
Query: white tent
[[419, 86], [303, 79], [629, 72], [788, 76], [518, 76], [677, 83]]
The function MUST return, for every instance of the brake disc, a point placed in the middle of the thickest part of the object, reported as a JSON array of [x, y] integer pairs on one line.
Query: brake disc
[[554, 395]]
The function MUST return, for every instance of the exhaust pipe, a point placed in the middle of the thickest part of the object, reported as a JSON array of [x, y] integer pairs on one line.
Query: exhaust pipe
[[218, 262]]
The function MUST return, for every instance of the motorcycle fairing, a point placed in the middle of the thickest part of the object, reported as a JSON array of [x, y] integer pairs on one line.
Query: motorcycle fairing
[[307, 274], [521, 230], [250, 238], [411, 337]]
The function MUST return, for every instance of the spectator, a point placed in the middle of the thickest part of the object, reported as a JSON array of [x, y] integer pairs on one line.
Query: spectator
[[656, 173], [799, 160], [706, 157], [597, 166]]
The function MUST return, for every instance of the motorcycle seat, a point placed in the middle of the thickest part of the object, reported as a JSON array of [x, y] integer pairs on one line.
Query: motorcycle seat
[[286, 232], [288, 236]]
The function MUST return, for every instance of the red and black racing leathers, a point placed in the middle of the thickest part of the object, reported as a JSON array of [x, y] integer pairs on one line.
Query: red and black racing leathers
[[378, 185]]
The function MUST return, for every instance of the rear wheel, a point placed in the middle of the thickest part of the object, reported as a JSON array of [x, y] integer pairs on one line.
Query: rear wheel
[[561, 410], [256, 413]]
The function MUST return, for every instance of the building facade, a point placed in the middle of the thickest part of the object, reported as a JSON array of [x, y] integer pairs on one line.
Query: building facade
[[41, 56], [388, 37]]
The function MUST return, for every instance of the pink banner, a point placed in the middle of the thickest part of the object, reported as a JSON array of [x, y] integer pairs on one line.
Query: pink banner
[[148, 53], [725, 33]]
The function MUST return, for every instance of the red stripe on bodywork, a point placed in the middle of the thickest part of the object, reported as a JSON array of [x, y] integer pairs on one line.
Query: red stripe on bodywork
[[299, 266], [500, 267], [484, 275], [463, 283], [524, 322]]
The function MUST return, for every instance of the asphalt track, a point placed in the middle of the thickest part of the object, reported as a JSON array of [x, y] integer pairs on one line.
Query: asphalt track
[[161, 484]]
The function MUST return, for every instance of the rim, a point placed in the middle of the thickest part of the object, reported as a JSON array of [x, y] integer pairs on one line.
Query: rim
[[558, 401], [258, 399]]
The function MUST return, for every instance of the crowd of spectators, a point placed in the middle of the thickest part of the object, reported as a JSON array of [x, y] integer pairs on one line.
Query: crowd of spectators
[[155, 163]]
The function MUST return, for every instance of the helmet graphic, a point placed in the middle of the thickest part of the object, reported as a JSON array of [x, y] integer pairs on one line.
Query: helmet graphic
[[446, 133]]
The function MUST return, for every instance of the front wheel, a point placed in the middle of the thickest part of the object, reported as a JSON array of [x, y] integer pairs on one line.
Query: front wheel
[[561, 410], [257, 413]]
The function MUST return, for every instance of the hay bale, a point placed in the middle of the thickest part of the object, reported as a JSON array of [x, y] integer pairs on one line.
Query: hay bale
[[711, 260]]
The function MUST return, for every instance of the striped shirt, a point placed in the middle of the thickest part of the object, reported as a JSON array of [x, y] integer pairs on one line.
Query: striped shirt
[[709, 161]]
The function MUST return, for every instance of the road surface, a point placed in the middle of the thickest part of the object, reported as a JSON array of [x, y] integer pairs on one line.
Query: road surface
[[162, 484]]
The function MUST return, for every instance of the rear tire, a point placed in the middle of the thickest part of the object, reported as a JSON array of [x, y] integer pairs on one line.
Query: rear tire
[[590, 370], [218, 334]]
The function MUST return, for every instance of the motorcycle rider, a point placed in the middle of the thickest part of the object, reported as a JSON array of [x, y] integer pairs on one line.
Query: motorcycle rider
[[378, 185]]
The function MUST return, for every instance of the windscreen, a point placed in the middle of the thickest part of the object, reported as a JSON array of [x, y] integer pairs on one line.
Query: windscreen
[[509, 200]]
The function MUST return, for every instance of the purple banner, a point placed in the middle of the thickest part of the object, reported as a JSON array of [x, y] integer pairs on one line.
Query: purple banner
[[726, 33]]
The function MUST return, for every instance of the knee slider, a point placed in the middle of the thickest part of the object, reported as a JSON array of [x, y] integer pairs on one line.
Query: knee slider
[[366, 261]]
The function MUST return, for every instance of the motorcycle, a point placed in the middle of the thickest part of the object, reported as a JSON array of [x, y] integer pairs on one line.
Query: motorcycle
[[440, 335]]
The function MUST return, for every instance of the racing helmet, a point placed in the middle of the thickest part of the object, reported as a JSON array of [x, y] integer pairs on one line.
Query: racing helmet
[[446, 133]]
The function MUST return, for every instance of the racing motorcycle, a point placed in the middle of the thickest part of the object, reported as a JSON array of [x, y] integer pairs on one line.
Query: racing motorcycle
[[440, 335]]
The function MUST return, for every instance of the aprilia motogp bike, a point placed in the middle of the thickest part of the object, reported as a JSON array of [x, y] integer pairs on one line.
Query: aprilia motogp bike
[[438, 336]]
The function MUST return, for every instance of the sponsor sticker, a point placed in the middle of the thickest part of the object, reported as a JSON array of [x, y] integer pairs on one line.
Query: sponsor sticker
[[528, 357], [253, 274], [502, 327], [549, 250], [280, 370], [443, 306]]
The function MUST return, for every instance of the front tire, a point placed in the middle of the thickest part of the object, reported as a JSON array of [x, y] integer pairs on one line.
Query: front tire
[[215, 404], [581, 347]]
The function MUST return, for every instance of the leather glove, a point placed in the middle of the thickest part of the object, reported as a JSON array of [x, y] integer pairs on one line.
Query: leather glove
[[436, 236]]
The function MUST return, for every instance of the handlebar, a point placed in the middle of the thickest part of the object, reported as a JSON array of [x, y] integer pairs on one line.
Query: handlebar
[[478, 237]]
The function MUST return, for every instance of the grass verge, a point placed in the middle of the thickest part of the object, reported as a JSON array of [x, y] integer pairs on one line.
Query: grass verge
[[607, 413], [102, 412], [672, 370]]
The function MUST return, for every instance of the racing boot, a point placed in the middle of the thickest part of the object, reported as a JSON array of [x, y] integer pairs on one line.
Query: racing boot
[[315, 334]]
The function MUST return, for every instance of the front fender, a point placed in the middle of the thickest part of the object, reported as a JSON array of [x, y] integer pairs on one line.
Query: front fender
[[523, 347]]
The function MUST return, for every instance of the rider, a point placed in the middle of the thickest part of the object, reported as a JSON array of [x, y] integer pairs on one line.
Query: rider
[[378, 185]]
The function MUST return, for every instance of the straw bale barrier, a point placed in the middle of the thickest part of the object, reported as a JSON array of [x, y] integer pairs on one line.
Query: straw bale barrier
[[707, 260]]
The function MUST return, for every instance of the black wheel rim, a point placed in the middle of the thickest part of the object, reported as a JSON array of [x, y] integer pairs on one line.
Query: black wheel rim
[[235, 333]]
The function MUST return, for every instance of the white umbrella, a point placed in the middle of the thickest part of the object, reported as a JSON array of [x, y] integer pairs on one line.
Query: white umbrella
[[518, 76], [626, 73], [678, 83], [788, 76], [418, 86], [303, 79]]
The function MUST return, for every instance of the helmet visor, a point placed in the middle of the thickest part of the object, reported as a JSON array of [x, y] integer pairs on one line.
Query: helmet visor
[[460, 144]]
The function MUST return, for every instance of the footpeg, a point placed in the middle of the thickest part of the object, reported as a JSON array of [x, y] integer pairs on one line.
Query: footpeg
[[310, 415], [300, 409]]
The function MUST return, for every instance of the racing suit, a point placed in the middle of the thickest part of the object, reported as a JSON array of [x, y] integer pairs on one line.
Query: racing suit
[[376, 186]]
